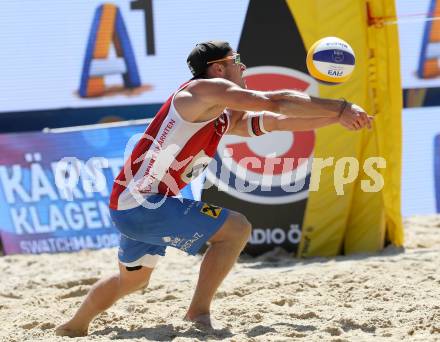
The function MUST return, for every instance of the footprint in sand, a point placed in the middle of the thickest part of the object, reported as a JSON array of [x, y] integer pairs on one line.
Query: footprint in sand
[[10, 295], [305, 315], [162, 299], [47, 326], [284, 301], [72, 283], [80, 291], [334, 331], [30, 325]]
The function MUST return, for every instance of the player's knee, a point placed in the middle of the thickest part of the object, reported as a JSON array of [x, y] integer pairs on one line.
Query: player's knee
[[142, 282], [134, 280], [137, 284], [236, 229], [241, 226]]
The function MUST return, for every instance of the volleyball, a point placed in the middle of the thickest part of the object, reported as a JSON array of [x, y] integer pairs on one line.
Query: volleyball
[[331, 60]]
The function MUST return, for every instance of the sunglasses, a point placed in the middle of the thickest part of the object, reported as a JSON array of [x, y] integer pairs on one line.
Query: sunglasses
[[235, 58]]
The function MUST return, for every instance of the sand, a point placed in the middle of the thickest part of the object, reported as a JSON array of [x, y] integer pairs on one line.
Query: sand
[[390, 296]]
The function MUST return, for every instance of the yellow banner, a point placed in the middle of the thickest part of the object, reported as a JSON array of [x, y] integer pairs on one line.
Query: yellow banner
[[356, 221]]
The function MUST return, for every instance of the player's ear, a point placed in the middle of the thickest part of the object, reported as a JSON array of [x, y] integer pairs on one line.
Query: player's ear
[[218, 68]]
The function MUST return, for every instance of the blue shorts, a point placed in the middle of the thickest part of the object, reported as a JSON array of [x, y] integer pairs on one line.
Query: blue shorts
[[181, 223]]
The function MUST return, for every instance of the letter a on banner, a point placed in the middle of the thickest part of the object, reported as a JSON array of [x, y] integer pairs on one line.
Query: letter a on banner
[[429, 62], [107, 27]]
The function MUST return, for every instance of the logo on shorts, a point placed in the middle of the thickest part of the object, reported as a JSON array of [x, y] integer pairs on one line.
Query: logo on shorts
[[188, 244], [173, 241], [211, 210]]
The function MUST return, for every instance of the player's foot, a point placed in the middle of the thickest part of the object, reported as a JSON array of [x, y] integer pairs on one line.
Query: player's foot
[[202, 322], [66, 330]]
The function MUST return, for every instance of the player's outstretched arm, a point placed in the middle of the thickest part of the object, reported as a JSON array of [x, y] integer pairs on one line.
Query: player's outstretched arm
[[279, 122], [253, 124], [221, 92]]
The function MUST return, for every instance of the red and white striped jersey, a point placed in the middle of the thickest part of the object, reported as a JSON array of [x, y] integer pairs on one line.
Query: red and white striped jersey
[[170, 154]]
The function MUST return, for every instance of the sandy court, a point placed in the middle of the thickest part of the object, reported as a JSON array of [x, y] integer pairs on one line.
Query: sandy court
[[392, 296]]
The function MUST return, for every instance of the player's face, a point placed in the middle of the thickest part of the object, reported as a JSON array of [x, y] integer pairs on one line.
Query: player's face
[[234, 69]]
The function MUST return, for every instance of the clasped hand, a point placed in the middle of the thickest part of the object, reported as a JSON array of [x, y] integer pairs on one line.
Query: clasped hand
[[355, 118]]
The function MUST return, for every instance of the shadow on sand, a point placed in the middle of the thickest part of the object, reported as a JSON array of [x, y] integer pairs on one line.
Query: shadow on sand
[[280, 258], [163, 332]]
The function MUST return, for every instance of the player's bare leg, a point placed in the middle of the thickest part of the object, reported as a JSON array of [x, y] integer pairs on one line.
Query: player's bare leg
[[221, 255], [101, 296]]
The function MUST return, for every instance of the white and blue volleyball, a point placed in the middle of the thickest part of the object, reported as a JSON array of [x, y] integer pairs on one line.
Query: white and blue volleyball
[[331, 60]]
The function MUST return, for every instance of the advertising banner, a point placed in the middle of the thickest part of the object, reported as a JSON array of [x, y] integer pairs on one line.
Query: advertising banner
[[54, 188], [76, 54], [419, 35], [421, 161], [125, 53], [356, 220]]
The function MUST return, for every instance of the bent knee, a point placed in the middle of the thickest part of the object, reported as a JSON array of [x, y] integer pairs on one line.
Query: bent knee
[[236, 227], [242, 225], [134, 284], [142, 282], [134, 280]]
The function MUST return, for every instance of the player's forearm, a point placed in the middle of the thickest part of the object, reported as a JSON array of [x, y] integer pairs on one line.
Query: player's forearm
[[300, 105], [284, 123]]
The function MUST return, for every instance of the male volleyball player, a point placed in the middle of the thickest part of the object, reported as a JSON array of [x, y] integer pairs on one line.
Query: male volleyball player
[[174, 149]]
